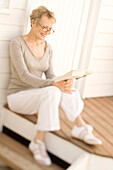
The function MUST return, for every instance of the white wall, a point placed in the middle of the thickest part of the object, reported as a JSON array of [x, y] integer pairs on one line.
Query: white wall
[[11, 26], [101, 82]]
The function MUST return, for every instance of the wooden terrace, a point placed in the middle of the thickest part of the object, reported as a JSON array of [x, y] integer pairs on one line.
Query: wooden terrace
[[97, 111]]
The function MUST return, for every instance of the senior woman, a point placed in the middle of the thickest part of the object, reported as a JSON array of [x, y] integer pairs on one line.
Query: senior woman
[[28, 93]]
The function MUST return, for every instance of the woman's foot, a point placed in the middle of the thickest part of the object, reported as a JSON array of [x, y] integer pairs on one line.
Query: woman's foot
[[39, 152], [84, 133]]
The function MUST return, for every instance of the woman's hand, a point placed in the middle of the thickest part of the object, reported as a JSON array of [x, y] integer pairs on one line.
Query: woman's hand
[[65, 86]]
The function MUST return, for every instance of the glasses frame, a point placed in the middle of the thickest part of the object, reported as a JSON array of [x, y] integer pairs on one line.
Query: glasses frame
[[48, 30]]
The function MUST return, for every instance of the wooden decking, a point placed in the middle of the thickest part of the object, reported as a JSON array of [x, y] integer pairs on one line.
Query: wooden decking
[[97, 112], [18, 157]]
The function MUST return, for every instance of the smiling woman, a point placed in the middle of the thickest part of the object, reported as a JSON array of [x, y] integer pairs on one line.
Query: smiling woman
[[28, 93], [43, 18]]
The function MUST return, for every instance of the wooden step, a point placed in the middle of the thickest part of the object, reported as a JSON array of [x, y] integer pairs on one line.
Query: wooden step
[[18, 157]]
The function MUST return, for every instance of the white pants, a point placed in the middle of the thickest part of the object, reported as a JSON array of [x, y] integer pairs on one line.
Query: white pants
[[45, 101]]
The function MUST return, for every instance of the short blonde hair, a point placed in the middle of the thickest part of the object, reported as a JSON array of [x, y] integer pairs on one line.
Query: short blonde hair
[[41, 11]]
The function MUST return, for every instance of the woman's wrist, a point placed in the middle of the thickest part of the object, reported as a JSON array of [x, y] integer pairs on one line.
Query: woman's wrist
[[54, 84]]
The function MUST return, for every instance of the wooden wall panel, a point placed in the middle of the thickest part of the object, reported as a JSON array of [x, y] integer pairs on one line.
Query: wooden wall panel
[[101, 82], [4, 65], [99, 53], [101, 79], [8, 32], [104, 39], [105, 26], [16, 18], [4, 80], [102, 66], [11, 26], [107, 12], [99, 90], [4, 49]]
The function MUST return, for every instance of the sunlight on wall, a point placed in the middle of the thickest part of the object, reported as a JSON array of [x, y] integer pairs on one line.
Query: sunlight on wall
[[67, 29]]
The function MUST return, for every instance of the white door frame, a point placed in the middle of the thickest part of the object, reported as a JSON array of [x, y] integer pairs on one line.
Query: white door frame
[[89, 38]]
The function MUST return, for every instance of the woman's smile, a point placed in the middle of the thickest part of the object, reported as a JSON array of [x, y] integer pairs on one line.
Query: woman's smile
[[43, 35]]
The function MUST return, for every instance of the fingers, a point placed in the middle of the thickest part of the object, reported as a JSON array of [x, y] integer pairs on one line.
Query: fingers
[[68, 90], [68, 84]]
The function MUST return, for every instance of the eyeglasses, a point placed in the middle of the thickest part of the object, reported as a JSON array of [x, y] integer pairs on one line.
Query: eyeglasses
[[46, 29]]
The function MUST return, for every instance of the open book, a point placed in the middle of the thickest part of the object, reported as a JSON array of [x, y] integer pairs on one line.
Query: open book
[[73, 74]]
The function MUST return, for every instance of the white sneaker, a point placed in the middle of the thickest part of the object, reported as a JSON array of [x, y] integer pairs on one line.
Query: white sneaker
[[84, 133], [89, 127], [39, 152]]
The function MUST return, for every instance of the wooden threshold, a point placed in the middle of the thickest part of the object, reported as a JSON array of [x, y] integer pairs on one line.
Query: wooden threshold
[[18, 157]]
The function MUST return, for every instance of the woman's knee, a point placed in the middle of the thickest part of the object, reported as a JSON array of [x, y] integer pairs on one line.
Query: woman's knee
[[55, 91]]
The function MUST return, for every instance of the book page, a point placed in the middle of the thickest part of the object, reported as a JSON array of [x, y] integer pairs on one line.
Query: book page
[[73, 74]]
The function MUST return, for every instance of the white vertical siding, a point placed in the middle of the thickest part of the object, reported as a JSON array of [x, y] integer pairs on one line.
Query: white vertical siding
[[69, 31], [100, 83], [11, 26]]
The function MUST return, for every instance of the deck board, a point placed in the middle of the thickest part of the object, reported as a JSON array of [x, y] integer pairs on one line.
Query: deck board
[[99, 113], [18, 157]]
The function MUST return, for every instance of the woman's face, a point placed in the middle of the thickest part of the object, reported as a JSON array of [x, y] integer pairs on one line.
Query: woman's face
[[42, 28]]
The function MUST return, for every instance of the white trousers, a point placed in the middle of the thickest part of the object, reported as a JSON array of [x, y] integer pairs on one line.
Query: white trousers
[[45, 101]]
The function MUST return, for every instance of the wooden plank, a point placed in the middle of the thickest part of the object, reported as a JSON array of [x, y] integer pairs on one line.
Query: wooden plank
[[16, 18], [4, 80], [99, 126], [105, 149], [97, 111], [101, 78], [102, 66], [109, 100], [99, 90], [4, 65], [104, 39], [4, 49], [3, 96], [108, 2], [19, 4], [103, 108], [9, 32], [105, 26], [108, 106], [18, 157], [107, 12], [102, 53]]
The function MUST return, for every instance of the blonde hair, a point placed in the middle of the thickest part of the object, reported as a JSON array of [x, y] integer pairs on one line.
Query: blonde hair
[[41, 11]]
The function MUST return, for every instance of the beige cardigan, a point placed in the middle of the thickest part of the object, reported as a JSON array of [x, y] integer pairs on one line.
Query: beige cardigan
[[26, 69]]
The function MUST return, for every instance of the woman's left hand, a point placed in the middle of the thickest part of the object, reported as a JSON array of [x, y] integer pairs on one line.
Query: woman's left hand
[[65, 86], [69, 83]]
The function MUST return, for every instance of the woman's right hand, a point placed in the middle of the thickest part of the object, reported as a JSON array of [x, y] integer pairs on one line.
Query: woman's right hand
[[65, 86]]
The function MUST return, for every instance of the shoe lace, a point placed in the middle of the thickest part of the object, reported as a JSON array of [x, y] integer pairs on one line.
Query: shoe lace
[[41, 149], [89, 131]]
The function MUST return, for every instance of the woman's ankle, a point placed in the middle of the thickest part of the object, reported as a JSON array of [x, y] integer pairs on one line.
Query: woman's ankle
[[35, 140], [39, 136]]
